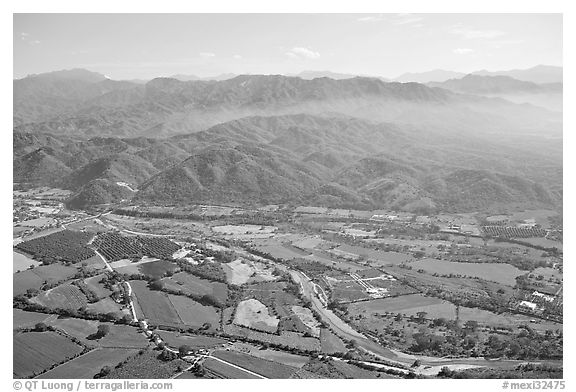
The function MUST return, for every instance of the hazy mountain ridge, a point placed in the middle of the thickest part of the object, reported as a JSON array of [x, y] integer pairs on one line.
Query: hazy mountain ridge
[[545, 95], [334, 161], [165, 106], [538, 74]]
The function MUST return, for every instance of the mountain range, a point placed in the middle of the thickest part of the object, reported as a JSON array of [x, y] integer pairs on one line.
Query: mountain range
[[258, 139], [538, 74], [546, 95]]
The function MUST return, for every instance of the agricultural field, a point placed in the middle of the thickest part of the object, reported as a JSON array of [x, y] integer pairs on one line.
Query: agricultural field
[[146, 365], [544, 242], [88, 365], [245, 232], [307, 243], [190, 284], [242, 271], [194, 314], [254, 314], [332, 261], [105, 305], [307, 318], [396, 304], [310, 210], [278, 250], [496, 272], [24, 319], [282, 357], [130, 266], [65, 296], [375, 257], [96, 287], [331, 343], [64, 245], [341, 370], [155, 305], [35, 352], [35, 278], [175, 339], [21, 262], [286, 338], [90, 225], [238, 272], [547, 273], [156, 225], [215, 210], [217, 369], [268, 369], [78, 328], [123, 336], [541, 217], [38, 222], [93, 263], [348, 291], [434, 308], [115, 246], [157, 269]]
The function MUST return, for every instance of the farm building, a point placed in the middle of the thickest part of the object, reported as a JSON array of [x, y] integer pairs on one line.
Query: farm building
[[528, 305]]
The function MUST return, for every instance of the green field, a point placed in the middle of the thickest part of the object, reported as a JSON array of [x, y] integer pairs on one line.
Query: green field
[[88, 365], [377, 257], [24, 319], [157, 269], [331, 343], [123, 336], [147, 365], [21, 262], [219, 369], [544, 242], [411, 305], [66, 296], [194, 314], [260, 366], [155, 305], [79, 328], [286, 338], [98, 288], [105, 305], [38, 351], [36, 277], [269, 354], [175, 339], [395, 304], [496, 272], [190, 284]]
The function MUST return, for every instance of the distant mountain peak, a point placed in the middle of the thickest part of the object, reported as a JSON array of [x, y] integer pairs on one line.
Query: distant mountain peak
[[436, 75], [537, 74], [71, 74]]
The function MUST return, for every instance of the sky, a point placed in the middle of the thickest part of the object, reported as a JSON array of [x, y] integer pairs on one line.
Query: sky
[[144, 46]]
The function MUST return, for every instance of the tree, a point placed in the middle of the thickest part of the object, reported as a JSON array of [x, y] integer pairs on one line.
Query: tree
[[184, 349], [40, 327], [103, 330], [32, 292], [156, 284], [103, 372], [471, 325], [167, 355]]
